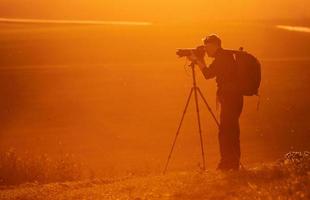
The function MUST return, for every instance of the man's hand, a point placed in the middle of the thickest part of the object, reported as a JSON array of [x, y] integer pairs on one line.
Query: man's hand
[[200, 62], [193, 57]]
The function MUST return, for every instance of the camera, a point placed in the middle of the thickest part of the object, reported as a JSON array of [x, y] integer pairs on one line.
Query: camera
[[199, 52]]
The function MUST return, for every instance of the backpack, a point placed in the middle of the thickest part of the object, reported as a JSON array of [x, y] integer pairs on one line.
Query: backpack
[[249, 72]]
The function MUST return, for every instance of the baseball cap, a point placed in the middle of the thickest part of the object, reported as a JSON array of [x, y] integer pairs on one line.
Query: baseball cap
[[212, 39]]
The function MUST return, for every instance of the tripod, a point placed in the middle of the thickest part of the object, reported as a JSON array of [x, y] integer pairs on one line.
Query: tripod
[[196, 90]]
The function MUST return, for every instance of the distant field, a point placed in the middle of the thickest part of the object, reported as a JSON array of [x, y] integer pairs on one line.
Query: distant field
[[113, 95]]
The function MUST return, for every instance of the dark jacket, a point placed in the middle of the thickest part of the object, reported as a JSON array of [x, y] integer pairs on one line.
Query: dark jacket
[[224, 68]]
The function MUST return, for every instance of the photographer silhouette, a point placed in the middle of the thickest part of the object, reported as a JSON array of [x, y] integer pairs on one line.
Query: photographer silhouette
[[224, 69]]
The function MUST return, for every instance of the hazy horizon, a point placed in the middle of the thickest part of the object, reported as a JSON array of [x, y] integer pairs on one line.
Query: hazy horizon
[[159, 10]]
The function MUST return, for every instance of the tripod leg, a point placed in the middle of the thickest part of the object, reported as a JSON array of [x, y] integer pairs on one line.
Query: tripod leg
[[178, 130], [209, 108], [199, 126]]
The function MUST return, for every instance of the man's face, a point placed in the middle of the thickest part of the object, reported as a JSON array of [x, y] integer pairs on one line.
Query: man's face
[[211, 49]]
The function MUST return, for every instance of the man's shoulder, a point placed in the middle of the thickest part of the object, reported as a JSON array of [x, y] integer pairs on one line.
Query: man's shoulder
[[225, 53]]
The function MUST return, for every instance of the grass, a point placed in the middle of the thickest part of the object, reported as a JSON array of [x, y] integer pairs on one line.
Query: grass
[[15, 169], [287, 178]]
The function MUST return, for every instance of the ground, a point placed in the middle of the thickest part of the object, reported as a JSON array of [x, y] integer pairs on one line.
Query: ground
[[263, 182]]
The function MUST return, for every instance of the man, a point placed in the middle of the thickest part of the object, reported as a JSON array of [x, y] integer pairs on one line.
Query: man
[[224, 69]]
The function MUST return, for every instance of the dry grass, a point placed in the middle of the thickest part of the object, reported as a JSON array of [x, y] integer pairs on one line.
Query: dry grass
[[287, 178], [16, 169]]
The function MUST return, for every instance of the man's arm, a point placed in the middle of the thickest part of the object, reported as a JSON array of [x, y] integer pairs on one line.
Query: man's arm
[[208, 72]]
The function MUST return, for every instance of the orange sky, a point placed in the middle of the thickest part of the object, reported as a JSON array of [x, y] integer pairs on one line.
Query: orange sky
[[156, 10]]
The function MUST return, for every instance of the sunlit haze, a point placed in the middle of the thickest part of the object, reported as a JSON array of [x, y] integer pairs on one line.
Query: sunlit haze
[[157, 10]]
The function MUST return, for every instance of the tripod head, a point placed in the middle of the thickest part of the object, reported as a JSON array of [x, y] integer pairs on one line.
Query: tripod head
[[192, 64]]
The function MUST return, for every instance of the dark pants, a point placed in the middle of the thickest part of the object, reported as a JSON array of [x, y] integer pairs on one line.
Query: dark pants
[[229, 131]]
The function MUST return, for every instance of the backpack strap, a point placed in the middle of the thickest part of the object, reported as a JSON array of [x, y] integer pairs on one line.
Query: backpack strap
[[258, 102], [240, 50]]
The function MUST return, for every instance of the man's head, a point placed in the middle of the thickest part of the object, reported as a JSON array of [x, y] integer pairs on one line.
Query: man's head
[[212, 44]]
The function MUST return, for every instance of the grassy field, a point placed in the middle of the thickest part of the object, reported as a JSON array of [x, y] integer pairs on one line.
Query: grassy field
[[285, 179], [113, 96]]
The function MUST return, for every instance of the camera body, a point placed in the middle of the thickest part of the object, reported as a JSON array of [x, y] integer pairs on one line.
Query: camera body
[[199, 52]]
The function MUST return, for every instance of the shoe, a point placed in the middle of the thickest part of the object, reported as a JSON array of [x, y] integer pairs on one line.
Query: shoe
[[227, 167]]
